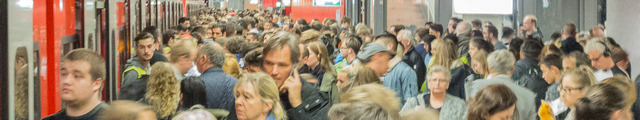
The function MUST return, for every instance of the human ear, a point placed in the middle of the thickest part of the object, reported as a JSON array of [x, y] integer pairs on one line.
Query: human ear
[[268, 106], [97, 84]]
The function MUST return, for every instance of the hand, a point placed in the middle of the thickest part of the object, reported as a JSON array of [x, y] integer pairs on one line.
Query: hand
[[293, 86]]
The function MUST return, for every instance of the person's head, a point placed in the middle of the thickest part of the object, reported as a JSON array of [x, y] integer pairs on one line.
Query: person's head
[[620, 57], [602, 102], [350, 46], [394, 29], [211, 54], [300, 22], [501, 62], [575, 83], [267, 25], [421, 33], [345, 22], [596, 32], [453, 23], [183, 53], [375, 56], [529, 22], [550, 49], [406, 38], [360, 76], [231, 65], [184, 21], [234, 45], [163, 89], [169, 37], [477, 24], [191, 91], [344, 75], [551, 66], [144, 46], [195, 113], [490, 33], [82, 75], [252, 37], [127, 110], [624, 84], [568, 30], [256, 97], [599, 54], [479, 63], [507, 33], [318, 55], [153, 30], [373, 93], [253, 60], [463, 29], [359, 111], [309, 36], [493, 102], [575, 59], [435, 30], [530, 49], [281, 55], [427, 43], [421, 113], [218, 31], [438, 78], [515, 45], [476, 45], [388, 40], [444, 52]]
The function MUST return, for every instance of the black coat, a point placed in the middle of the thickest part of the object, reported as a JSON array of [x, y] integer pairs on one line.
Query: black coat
[[415, 61], [315, 104], [458, 78], [570, 44], [527, 73], [134, 91]]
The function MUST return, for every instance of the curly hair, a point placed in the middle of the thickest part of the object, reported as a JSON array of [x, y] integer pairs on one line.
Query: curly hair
[[163, 90]]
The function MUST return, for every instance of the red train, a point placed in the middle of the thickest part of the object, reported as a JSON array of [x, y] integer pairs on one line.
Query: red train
[[37, 33]]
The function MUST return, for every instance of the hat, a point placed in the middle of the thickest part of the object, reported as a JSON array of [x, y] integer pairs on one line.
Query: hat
[[370, 49]]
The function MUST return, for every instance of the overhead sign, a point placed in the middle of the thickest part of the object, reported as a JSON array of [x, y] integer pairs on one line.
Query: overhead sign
[[483, 6], [327, 2]]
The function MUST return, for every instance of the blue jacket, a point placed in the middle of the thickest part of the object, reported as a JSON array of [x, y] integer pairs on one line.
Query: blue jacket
[[402, 80], [219, 86]]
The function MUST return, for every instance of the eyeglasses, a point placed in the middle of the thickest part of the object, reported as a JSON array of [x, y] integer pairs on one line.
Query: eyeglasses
[[568, 89]]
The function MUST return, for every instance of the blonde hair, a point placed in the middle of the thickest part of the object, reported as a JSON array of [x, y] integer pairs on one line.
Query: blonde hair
[[446, 53], [231, 65], [421, 113], [268, 90], [309, 36], [163, 89], [583, 76], [374, 93], [481, 57], [360, 76], [123, 110], [625, 85], [181, 48]]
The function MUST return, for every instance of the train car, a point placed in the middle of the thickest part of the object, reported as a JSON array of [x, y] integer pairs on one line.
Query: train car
[[38, 33]]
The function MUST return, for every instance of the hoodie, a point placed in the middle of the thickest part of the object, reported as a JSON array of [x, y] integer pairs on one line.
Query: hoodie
[[132, 75]]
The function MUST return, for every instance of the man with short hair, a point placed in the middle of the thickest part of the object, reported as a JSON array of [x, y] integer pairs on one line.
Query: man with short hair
[[345, 23], [157, 54], [529, 29], [218, 31], [251, 26], [400, 77], [527, 72], [500, 65], [140, 64], [453, 23], [463, 32], [219, 85], [411, 56], [490, 34], [574, 60], [184, 21], [436, 30], [569, 43], [349, 49], [596, 32], [301, 100], [477, 25], [252, 37], [82, 75], [182, 56], [600, 56], [507, 36]]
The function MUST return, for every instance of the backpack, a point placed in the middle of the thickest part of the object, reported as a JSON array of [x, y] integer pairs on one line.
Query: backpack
[[533, 81]]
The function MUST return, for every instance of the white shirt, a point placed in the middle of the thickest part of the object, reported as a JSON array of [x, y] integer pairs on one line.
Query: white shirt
[[602, 74], [193, 72]]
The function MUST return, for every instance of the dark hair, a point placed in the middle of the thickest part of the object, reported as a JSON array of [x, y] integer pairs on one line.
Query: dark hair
[[491, 100], [199, 29], [570, 29], [302, 22], [618, 54], [476, 34], [353, 42], [229, 29], [599, 102], [183, 19], [397, 28], [555, 35], [221, 26], [254, 57], [345, 19], [455, 22], [427, 41], [482, 45], [422, 32], [182, 28], [169, 34], [552, 60], [531, 49], [388, 38], [428, 23], [506, 32], [452, 37], [493, 30], [253, 35], [476, 23], [153, 30], [142, 36], [279, 41], [193, 90], [235, 44], [437, 28], [514, 47]]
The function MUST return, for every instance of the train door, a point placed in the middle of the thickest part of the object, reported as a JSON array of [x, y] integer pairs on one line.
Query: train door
[[17, 84], [99, 29]]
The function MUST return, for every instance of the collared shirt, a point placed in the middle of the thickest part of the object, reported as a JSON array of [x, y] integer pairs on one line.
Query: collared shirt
[[176, 72], [193, 72], [602, 74], [402, 80]]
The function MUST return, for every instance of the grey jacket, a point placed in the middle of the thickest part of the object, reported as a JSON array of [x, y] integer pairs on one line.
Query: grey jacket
[[453, 107], [525, 105], [131, 76]]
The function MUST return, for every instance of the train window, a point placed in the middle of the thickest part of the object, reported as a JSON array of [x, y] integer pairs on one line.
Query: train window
[[36, 80], [21, 67]]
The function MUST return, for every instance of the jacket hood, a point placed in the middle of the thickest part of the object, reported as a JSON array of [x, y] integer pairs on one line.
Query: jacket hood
[[133, 62]]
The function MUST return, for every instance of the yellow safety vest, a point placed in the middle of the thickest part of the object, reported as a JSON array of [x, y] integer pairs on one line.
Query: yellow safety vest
[[139, 70]]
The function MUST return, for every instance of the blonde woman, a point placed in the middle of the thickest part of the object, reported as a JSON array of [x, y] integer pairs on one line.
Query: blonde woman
[[163, 90], [374, 93], [127, 110], [444, 53], [257, 98]]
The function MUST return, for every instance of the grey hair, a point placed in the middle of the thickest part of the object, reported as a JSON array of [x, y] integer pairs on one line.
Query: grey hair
[[501, 61], [439, 69], [214, 52], [463, 32], [408, 35], [594, 45]]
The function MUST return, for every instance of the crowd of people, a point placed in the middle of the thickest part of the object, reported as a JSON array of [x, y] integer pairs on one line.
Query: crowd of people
[[260, 65]]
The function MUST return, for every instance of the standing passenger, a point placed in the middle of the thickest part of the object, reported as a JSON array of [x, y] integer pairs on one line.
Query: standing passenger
[[219, 85], [139, 65]]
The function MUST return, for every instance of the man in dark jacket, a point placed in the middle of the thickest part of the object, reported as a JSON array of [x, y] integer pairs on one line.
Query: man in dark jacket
[[569, 43], [411, 56], [527, 72], [301, 100], [219, 85]]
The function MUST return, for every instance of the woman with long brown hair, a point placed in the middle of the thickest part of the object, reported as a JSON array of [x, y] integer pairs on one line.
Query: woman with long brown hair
[[493, 102], [318, 63]]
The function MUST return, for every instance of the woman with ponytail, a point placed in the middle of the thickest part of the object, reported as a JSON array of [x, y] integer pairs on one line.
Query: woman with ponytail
[[603, 102], [574, 85], [257, 98]]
